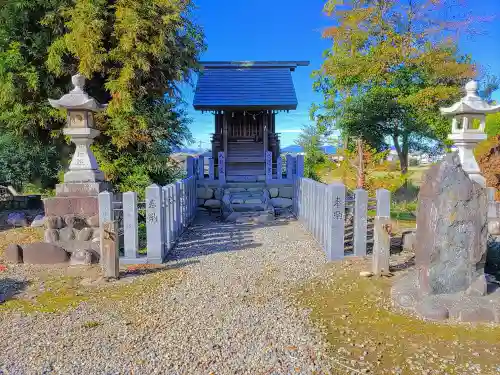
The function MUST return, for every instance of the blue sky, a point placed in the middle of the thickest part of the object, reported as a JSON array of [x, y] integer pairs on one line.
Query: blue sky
[[291, 30]]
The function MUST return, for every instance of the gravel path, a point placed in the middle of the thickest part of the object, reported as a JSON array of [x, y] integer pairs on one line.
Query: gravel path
[[231, 314]]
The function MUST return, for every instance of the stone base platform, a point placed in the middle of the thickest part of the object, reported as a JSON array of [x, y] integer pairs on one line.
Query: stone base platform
[[468, 306], [81, 206]]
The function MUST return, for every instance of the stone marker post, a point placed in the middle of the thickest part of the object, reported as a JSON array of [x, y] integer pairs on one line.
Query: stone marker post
[[381, 245], [109, 250], [279, 168], [290, 164], [130, 225], [383, 202], [269, 165], [222, 167], [154, 224], [201, 167], [335, 221], [360, 221], [211, 172]]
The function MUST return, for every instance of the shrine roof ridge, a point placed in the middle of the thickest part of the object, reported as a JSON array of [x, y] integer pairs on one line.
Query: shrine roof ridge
[[252, 64]]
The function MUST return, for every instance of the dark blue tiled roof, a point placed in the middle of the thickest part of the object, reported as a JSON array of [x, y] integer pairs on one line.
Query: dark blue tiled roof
[[258, 87]]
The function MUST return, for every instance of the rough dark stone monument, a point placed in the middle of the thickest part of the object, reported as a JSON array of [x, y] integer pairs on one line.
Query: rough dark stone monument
[[449, 281], [452, 229]]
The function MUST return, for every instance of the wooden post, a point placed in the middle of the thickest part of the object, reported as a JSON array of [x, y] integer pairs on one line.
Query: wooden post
[[381, 245], [109, 250], [279, 167]]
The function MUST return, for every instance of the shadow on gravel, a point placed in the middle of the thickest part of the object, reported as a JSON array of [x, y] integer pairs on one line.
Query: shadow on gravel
[[10, 288], [208, 235], [147, 269]]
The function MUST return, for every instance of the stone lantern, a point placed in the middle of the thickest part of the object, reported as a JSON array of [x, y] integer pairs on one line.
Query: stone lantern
[[84, 180], [80, 128], [469, 111]]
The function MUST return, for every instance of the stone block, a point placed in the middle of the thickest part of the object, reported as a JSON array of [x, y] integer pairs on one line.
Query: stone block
[[44, 253], [218, 193], [237, 201], [204, 193], [84, 234], [253, 201], [273, 192], [84, 257], [93, 221], [67, 234], [13, 254], [38, 221], [286, 192], [90, 189], [432, 310], [281, 202], [479, 287], [51, 235], [494, 227], [213, 203], [233, 216], [235, 190], [409, 241], [54, 222], [82, 206], [17, 219], [381, 245], [200, 201]]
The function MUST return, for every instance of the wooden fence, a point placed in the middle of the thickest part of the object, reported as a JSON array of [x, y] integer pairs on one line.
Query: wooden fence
[[168, 211], [275, 172], [323, 209]]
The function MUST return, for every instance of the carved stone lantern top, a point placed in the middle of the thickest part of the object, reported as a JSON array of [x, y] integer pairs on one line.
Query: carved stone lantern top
[[470, 107], [77, 99]]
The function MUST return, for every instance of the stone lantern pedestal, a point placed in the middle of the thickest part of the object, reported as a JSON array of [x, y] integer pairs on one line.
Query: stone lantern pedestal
[[84, 180]]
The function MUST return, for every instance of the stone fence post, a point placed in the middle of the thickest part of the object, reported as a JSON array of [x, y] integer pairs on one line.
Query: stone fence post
[[130, 225], [154, 224], [335, 221], [383, 202], [360, 221]]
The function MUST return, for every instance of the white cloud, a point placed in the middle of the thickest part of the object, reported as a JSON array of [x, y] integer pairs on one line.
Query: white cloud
[[289, 131]]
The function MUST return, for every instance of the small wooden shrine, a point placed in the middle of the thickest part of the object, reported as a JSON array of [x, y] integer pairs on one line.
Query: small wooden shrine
[[245, 98]]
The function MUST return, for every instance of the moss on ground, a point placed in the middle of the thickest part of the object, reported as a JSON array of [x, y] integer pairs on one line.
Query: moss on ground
[[53, 289], [366, 333]]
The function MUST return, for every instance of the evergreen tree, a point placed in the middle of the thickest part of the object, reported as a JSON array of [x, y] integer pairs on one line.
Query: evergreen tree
[[134, 55]]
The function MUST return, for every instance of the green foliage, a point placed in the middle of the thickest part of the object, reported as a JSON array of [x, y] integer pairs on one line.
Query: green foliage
[[134, 54], [493, 125], [386, 75], [22, 162], [310, 139]]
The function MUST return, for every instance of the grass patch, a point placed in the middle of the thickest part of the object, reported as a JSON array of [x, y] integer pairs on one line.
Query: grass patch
[[91, 324], [364, 333]]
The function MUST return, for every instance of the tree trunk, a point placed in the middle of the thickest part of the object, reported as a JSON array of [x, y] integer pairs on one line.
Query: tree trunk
[[361, 165], [402, 153]]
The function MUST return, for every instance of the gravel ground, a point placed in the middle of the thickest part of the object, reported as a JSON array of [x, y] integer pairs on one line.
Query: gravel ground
[[231, 314]]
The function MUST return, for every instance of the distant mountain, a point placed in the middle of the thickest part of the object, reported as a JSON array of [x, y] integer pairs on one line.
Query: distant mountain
[[186, 150], [293, 149]]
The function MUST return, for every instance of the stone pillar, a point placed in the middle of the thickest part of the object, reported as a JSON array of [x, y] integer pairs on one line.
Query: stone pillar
[[109, 250], [222, 168], [290, 161], [154, 225], [201, 167], [335, 221], [211, 171], [269, 165], [300, 165], [130, 225], [360, 221], [279, 167], [383, 202]]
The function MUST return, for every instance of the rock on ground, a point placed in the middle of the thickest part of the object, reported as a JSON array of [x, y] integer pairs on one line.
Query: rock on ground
[[231, 314]]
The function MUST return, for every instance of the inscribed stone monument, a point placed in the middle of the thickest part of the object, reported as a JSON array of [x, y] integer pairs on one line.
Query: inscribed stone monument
[[451, 229]]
